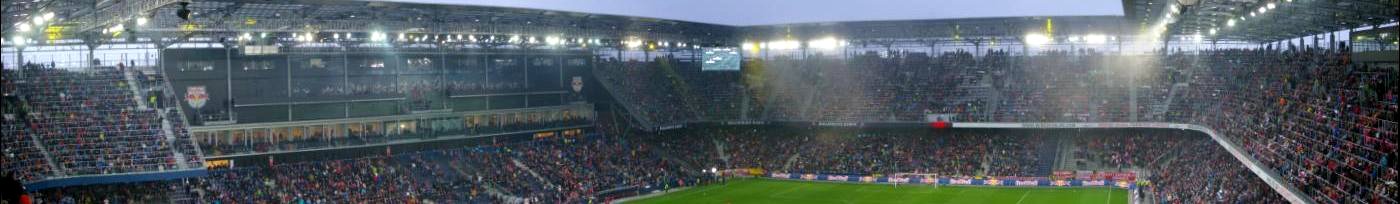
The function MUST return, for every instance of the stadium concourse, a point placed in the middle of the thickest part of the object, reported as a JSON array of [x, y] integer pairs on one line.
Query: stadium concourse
[[304, 101]]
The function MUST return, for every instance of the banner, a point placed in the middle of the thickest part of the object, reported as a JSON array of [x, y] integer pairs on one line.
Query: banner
[[196, 96], [971, 181]]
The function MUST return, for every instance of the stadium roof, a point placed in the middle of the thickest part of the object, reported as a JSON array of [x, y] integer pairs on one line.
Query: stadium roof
[[1261, 20], [771, 12], [1254, 20]]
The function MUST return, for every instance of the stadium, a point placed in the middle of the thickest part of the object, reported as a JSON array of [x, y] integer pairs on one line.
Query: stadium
[[722, 101]]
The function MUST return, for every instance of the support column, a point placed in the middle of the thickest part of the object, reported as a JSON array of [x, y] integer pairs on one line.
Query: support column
[[91, 58], [228, 83]]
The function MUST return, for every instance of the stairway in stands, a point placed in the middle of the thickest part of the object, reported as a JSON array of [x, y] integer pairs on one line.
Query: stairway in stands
[[532, 172], [719, 149], [487, 188], [1047, 151]]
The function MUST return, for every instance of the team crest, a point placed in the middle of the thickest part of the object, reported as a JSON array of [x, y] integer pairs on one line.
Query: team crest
[[577, 83], [196, 96]]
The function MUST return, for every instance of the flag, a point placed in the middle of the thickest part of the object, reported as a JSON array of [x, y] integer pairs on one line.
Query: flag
[[940, 124]]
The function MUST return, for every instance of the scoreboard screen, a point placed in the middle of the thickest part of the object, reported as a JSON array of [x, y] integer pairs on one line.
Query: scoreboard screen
[[721, 59]]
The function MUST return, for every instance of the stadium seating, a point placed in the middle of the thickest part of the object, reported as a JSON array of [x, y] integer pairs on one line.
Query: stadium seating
[[86, 123], [1310, 114]]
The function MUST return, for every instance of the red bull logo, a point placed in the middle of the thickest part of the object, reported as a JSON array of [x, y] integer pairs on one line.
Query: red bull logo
[[196, 96]]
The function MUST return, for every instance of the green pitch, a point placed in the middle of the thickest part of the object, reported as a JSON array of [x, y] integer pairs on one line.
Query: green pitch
[[783, 191]]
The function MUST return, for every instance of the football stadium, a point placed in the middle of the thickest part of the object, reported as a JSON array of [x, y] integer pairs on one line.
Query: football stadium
[[699, 101]]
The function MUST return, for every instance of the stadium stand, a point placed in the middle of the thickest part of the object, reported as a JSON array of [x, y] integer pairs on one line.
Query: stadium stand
[[420, 103]]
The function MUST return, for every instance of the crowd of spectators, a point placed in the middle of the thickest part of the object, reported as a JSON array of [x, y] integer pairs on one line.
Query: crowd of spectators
[[1308, 113], [1181, 178], [1311, 114], [585, 169], [84, 123], [651, 94], [550, 170]]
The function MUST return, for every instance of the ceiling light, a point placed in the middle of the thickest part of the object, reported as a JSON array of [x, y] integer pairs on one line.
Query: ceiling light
[[1095, 39], [1037, 39]]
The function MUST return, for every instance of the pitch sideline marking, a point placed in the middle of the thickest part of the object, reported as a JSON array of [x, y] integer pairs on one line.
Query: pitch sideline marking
[[1023, 197], [1110, 197]]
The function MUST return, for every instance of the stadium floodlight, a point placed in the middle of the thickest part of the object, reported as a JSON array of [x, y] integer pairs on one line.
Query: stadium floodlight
[[552, 40], [263, 35], [1252, 14], [1095, 39], [785, 44], [48, 16], [1037, 39], [19, 40], [1272, 5], [142, 21], [632, 44], [23, 27], [38, 21], [1263, 9], [1230, 23], [824, 43], [1212, 31], [748, 46], [377, 36]]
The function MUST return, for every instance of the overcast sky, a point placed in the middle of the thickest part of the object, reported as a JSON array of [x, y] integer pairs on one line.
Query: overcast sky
[[767, 12]]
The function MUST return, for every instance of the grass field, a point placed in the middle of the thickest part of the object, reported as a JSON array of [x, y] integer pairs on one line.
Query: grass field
[[783, 191]]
